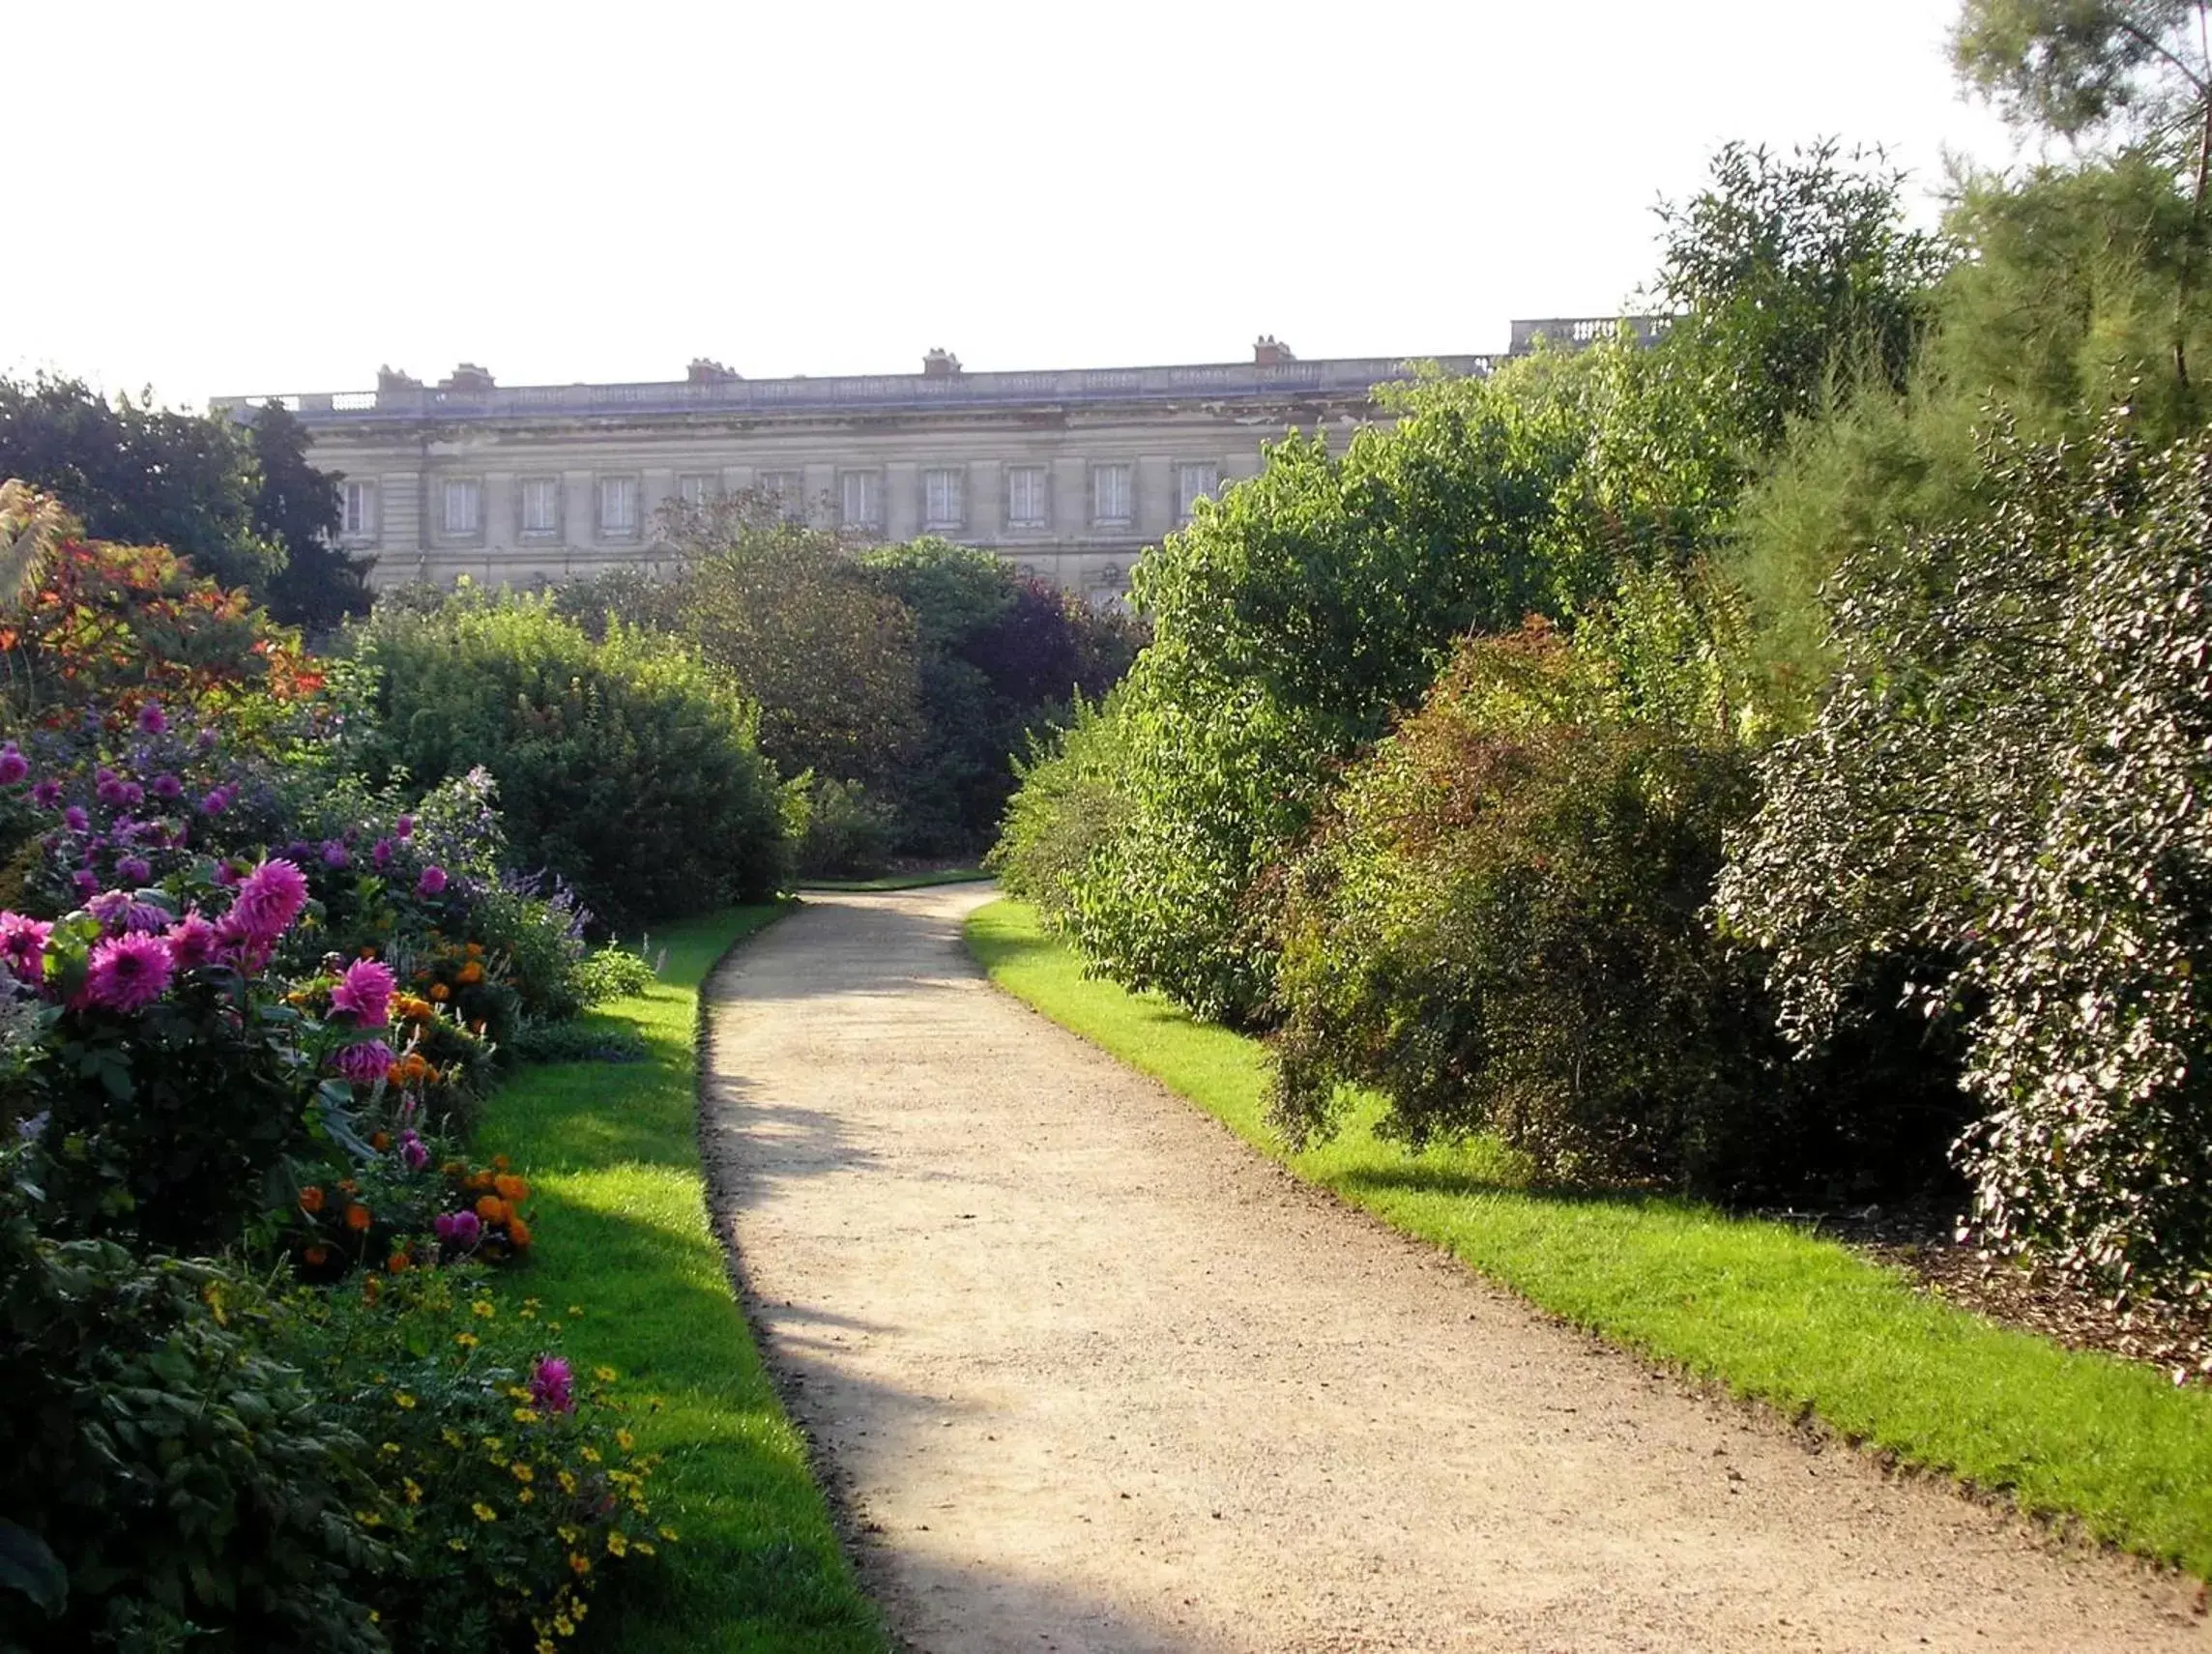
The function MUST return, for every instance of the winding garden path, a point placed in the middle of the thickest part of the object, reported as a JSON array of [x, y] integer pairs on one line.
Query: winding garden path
[[1088, 1374]]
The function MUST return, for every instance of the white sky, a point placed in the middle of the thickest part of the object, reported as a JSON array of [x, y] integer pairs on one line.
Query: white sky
[[220, 198]]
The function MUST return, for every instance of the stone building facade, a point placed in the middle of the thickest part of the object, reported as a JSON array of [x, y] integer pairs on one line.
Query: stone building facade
[[1069, 473]]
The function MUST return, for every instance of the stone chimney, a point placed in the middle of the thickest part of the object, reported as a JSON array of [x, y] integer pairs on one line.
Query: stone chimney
[[391, 379], [939, 364], [706, 370], [468, 376], [1268, 351]]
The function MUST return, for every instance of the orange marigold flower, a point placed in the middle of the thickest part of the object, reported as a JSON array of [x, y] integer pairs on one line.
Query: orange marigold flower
[[475, 950], [501, 1163], [396, 1264], [491, 1208], [380, 1141], [439, 991], [510, 1188], [311, 1198], [517, 1231], [472, 971], [357, 1217], [316, 1257]]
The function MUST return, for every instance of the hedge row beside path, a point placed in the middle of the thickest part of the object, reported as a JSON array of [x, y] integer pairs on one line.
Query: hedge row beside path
[[612, 1153], [1762, 1307]]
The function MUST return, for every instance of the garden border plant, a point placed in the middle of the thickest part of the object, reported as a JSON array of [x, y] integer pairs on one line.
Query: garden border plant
[[613, 1157], [1760, 1307]]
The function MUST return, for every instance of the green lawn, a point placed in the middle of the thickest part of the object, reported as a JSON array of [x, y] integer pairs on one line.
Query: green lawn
[[1758, 1306], [611, 1153]]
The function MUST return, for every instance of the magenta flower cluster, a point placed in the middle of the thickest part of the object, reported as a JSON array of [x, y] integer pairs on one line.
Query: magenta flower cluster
[[552, 1385], [363, 994]]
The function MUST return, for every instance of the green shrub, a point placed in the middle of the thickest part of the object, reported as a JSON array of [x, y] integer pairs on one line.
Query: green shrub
[[627, 767], [613, 974], [846, 834], [511, 1485], [1295, 616], [169, 1483], [2006, 792], [1068, 807], [579, 1042], [1502, 925]]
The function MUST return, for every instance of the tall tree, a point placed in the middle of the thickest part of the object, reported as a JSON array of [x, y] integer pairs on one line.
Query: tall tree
[[141, 474], [1791, 270], [2134, 73], [297, 506]]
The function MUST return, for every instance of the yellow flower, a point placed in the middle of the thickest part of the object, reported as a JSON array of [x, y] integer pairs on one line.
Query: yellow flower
[[616, 1543], [568, 1533], [456, 1543], [567, 1482], [524, 1497], [482, 1308], [368, 1519], [413, 1488], [625, 1440], [517, 1393], [493, 1443], [591, 1455], [565, 1626], [644, 1548], [546, 1645], [485, 1512], [669, 1534], [525, 1416], [579, 1564], [466, 1340], [576, 1610], [452, 1438], [605, 1375], [523, 1472], [390, 1448], [575, 1309], [406, 1402]]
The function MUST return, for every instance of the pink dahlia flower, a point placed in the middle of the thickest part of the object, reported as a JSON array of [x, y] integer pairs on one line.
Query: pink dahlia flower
[[364, 1063], [191, 942], [364, 993], [268, 900], [23, 945], [128, 972]]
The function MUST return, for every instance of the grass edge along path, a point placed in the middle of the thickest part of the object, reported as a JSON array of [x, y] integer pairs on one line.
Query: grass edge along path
[[1760, 1307], [612, 1155]]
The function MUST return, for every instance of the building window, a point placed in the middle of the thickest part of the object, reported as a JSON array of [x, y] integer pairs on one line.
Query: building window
[[464, 507], [860, 498], [1194, 483], [540, 505], [1026, 506], [696, 488], [618, 506], [1110, 496], [786, 491], [359, 521], [944, 498]]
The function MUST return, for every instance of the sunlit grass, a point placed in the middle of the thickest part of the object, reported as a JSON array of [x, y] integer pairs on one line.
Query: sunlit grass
[[611, 1151], [1762, 1307]]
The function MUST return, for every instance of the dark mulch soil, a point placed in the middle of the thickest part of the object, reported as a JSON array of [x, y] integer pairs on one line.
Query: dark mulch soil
[[2174, 1338]]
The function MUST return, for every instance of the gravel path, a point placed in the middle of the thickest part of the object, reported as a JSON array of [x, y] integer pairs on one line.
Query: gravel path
[[1085, 1374]]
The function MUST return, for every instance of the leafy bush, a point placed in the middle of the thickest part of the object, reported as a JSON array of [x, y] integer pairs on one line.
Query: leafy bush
[[581, 1042], [844, 834], [613, 974], [512, 1484], [170, 1483], [1502, 925], [627, 767], [2006, 792], [1067, 808]]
